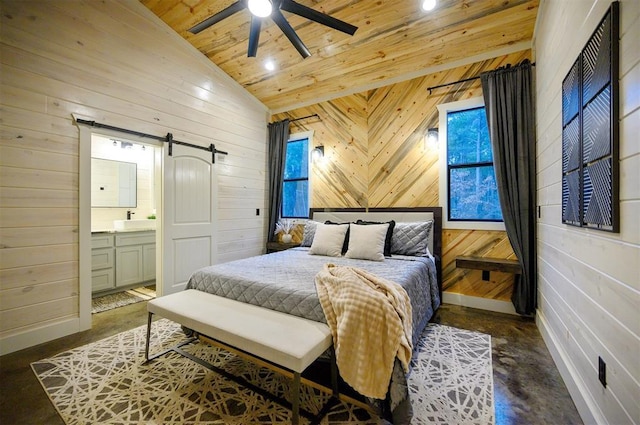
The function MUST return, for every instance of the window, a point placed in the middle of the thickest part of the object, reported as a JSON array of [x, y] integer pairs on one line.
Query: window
[[468, 188], [295, 190]]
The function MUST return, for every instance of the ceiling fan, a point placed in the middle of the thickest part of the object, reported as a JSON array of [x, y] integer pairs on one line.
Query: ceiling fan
[[261, 9]]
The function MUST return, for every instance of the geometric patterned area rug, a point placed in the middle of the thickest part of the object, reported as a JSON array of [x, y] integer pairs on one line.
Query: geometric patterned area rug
[[105, 382], [120, 299], [452, 380]]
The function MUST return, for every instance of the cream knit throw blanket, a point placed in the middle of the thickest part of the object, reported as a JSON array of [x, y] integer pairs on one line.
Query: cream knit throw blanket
[[370, 320]]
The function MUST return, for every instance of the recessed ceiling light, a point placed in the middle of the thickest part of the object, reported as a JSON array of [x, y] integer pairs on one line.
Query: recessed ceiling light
[[269, 65], [428, 5]]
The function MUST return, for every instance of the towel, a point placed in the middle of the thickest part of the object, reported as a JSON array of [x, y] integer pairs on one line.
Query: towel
[[371, 325]]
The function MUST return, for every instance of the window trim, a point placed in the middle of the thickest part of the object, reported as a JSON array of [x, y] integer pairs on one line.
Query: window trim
[[443, 185], [292, 138]]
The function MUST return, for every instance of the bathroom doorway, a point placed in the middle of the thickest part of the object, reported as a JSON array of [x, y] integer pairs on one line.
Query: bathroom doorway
[[125, 180]]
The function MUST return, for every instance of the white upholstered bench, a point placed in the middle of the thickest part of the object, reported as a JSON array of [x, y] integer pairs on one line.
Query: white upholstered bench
[[287, 341]]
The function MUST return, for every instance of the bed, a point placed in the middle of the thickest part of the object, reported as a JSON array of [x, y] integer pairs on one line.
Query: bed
[[284, 280]]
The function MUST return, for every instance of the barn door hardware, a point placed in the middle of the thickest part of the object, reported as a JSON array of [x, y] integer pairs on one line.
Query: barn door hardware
[[167, 139], [211, 148], [214, 151]]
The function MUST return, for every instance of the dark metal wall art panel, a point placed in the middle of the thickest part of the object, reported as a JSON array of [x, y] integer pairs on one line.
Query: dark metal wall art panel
[[596, 129], [571, 198], [590, 131], [571, 156], [596, 61], [571, 93], [597, 194]]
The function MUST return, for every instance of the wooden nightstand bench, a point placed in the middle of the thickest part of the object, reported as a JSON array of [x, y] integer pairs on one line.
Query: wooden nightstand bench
[[488, 265], [278, 246]]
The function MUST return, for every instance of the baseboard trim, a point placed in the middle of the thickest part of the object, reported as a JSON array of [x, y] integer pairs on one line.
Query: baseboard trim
[[568, 373], [20, 341], [479, 302]]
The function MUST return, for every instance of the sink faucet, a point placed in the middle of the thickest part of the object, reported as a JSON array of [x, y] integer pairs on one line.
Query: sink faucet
[[129, 213]]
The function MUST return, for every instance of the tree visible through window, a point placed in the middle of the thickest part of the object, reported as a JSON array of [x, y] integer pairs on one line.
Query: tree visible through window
[[295, 197], [473, 193]]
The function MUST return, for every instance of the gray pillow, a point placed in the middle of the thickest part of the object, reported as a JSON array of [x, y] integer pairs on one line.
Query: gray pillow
[[411, 238], [309, 232]]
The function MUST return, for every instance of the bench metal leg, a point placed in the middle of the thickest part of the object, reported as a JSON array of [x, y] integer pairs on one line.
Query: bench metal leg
[[146, 347], [295, 399], [175, 348], [334, 372], [296, 411]]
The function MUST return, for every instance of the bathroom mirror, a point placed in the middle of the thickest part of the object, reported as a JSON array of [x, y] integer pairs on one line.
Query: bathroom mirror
[[113, 184]]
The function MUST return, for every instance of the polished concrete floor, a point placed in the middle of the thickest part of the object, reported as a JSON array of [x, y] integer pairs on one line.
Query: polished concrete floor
[[527, 386]]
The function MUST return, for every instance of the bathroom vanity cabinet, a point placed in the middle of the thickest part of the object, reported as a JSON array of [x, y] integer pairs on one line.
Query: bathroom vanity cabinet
[[122, 259]]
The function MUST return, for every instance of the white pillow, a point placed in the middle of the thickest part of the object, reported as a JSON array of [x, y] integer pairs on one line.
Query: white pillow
[[328, 239], [367, 241]]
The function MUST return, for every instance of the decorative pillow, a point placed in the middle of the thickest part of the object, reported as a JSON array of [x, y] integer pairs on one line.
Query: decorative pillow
[[328, 239], [387, 240], [345, 246], [411, 238], [366, 241], [309, 232]]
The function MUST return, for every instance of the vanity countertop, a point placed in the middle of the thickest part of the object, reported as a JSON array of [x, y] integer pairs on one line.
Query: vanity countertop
[[95, 232]]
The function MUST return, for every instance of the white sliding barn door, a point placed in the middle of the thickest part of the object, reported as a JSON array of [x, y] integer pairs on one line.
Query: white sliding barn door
[[189, 215]]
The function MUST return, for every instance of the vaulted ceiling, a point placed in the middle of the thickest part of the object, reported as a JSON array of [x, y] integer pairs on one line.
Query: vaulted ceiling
[[395, 40]]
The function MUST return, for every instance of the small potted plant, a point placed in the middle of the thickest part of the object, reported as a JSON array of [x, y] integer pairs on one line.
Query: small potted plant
[[285, 226]]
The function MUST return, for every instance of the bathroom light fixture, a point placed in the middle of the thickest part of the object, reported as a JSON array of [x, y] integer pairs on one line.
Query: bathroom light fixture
[[260, 8], [317, 153], [431, 139], [428, 5], [126, 145]]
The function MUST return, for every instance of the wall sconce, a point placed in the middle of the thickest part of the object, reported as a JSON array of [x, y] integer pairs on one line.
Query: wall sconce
[[317, 154], [431, 140]]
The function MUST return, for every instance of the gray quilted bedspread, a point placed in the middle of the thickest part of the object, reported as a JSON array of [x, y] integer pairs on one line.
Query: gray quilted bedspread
[[284, 281]]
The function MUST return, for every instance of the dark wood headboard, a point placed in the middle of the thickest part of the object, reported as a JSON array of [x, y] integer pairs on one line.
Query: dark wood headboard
[[436, 247]]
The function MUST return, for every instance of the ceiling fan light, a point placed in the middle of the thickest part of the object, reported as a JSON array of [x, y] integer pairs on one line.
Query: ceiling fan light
[[428, 5], [260, 8]]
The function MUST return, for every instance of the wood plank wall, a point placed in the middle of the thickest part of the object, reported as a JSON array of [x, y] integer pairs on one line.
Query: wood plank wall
[[375, 157], [589, 281], [117, 63]]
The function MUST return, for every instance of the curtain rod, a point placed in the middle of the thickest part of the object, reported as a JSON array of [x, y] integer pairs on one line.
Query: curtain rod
[[465, 80], [168, 138], [452, 83], [304, 118]]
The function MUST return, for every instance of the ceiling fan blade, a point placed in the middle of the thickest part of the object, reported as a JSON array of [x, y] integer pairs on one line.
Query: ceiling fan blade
[[214, 19], [282, 23], [254, 36], [319, 17]]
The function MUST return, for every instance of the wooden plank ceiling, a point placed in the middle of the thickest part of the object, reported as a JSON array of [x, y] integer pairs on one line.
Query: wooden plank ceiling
[[395, 40]]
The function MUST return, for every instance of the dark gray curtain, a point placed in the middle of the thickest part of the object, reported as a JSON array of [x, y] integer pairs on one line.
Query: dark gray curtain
[[509, 103], [278, 136]]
